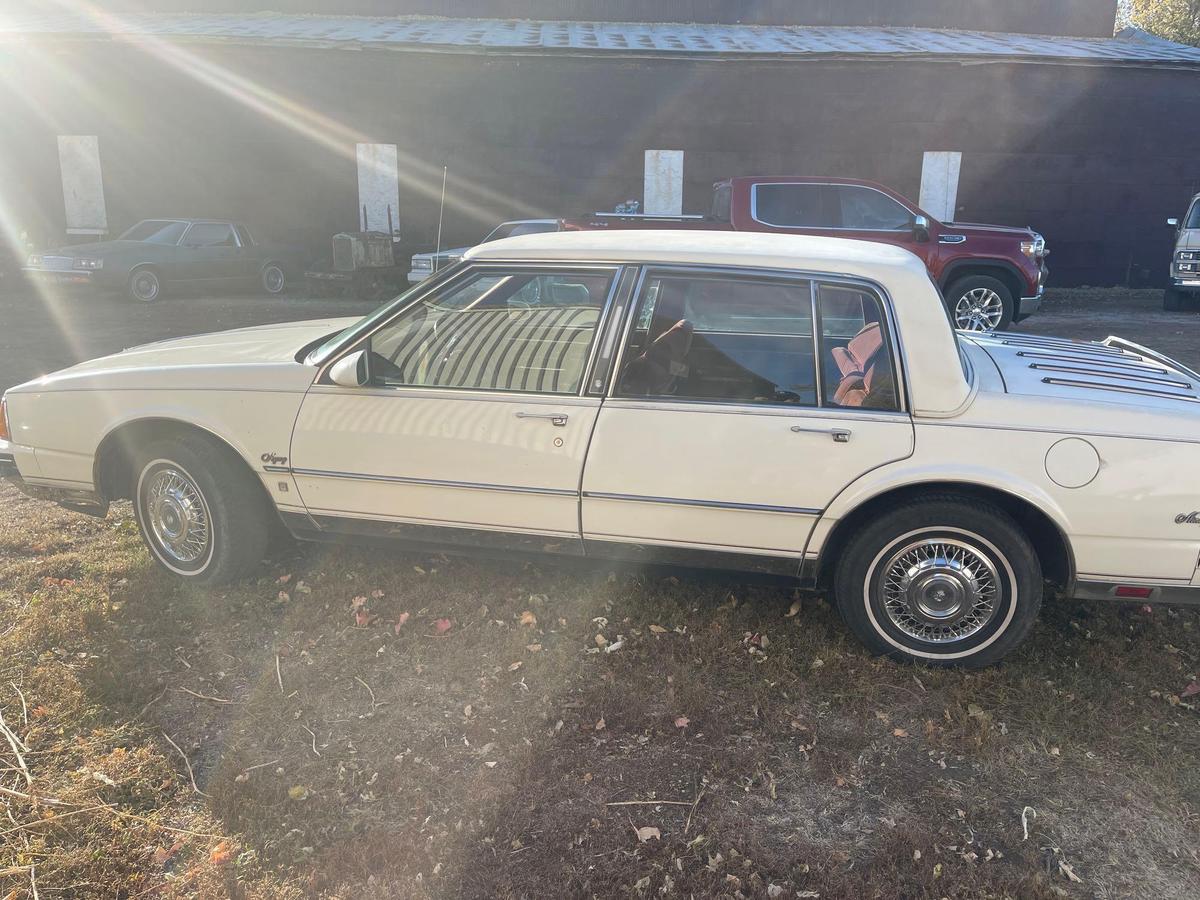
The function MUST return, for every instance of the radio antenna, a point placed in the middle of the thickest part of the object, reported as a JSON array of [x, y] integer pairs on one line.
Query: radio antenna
[[441, 209]]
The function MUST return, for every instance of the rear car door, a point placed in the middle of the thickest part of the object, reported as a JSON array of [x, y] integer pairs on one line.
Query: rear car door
[[208, 252], [474, 424], [742, 404]]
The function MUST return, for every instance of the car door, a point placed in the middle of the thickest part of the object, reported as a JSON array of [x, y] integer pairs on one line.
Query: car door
[[733, 421], [474, 422], [866, 213], [208, 252]]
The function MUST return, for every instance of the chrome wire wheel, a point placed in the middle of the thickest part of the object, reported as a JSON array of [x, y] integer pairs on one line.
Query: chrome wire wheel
[[176, 516], [979, 309], [940, 590]]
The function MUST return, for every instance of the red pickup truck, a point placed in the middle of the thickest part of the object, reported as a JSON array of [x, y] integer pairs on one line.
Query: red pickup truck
[[990, 275]]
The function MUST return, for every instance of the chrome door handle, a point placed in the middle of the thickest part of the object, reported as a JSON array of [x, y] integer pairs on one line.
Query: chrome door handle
[[557, 419], [839, 435]]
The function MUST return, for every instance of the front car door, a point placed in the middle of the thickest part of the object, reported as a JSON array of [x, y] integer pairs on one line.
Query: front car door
[[476, 419], [209, 251], [742, 404]]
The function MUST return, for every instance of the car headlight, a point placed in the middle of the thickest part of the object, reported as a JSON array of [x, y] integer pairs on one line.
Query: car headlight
[[33, 259], [1034, 249], [85, 262], [1188, 255], [423, 263]]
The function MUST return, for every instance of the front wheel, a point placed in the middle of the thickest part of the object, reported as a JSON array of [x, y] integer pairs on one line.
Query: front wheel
[[200, 510], [1172, 300], [145, 285], [980, 303], [945, 581]]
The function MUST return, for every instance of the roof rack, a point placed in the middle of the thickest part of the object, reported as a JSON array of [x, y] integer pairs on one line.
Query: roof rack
[[1110, 374], [1099, 359], [1121, 389]]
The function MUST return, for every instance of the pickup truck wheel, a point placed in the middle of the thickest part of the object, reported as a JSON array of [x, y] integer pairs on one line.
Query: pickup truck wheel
[[980, 303], [942, 581], [1172, 300], [274, 279], [144, 285], [200, 511]]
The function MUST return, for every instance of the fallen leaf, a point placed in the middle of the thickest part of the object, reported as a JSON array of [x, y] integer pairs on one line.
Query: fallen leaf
[[601, 640], [161, 856], [220, 854], [358, 602], [528, 619], [793, 610], [515, 666], [533, 648], [657, 629], [600, 724], [899, 732], [1193, 688], [400, 622], [283, 597], [377, 594], [682, 722], [647, 832], [362, 618], [441, 626], [298, 792], [284, 579]]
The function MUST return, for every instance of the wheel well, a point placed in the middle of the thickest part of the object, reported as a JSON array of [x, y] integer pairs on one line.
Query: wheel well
[[1001, 273], [113, 466], [1049, 543]]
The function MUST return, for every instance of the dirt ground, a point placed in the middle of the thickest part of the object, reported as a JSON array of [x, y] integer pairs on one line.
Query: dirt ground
[[363, 724]]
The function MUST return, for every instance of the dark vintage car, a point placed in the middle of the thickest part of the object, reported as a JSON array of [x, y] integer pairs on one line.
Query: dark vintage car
[[157, 254]]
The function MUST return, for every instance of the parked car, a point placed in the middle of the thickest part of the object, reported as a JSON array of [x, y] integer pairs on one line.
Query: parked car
[[1184, 285], [156, 255], [991, 275], [764, 403], [425, 264]]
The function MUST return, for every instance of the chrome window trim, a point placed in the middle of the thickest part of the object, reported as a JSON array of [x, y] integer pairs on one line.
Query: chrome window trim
[[706, 504], [829, 184], [887, 307], [191, 225], [459, 273]]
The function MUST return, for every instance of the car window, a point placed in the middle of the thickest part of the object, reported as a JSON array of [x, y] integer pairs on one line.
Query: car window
[[516, 229], [871, 210], [1193, 216], [496, 331], [209, 234], [791, 205], [856, 358], [155, 231], [721, 339], [243, 234]]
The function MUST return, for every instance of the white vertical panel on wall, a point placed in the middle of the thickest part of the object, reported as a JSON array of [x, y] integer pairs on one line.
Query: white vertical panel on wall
[[82, 183], [939, 183], [378, 187], [664, 183]]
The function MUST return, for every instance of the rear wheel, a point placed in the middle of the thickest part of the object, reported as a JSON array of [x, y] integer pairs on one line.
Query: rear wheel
[[980, 303], [944, 581], [200, 510], [274, 280], [145, 285]]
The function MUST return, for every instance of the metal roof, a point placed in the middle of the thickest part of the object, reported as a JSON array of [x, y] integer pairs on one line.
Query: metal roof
[[1130, 47]]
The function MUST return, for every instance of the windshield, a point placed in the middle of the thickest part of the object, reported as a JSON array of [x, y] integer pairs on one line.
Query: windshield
[[156, 231], [317, 356], [516, 229], [1193, 216]]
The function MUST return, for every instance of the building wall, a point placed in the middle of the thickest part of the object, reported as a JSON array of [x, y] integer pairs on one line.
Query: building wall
[[1073, 17], [1095, 158]]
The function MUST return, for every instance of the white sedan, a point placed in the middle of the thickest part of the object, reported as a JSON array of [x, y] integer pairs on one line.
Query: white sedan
[[765, 403]]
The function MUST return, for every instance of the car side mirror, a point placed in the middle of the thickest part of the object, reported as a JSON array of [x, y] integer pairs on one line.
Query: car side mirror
[[920, 229], [1174, 223], [351, 370]]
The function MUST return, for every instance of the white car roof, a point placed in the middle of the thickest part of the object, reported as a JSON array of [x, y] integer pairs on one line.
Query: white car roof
[[937, 384], [864, 259]]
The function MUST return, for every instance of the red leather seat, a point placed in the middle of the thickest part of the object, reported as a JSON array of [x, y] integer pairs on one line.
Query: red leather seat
[[858, 362]]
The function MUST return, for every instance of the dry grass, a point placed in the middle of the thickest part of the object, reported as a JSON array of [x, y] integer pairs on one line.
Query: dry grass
[[487, 760]]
